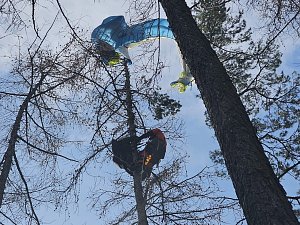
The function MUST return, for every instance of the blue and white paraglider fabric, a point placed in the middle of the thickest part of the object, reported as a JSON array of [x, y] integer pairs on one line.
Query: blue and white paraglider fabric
[[114, 37]]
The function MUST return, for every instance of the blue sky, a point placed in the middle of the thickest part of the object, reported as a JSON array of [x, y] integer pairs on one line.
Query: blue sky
[[88, 15]]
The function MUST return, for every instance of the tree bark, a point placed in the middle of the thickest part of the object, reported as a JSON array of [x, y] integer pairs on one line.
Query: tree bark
[[260, 194], [137, 180]]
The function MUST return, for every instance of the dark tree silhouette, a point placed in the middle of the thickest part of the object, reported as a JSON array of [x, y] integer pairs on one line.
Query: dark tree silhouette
[[260, 194]]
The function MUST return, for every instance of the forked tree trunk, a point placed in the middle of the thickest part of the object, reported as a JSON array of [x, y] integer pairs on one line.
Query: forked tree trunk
[[137, 180], [260, 194]]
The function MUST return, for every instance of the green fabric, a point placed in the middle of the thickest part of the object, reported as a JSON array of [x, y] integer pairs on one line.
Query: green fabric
[[180, 86], [114, 60], [183, 81]]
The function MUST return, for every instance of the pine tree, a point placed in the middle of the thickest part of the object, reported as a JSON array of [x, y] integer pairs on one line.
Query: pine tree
[[271, 98], [252, 175]]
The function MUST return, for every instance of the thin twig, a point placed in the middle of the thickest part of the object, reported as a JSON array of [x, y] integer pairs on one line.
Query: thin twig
[[44, 151], [27, 189]]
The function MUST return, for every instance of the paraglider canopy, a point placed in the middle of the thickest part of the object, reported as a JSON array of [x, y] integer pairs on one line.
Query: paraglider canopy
[[115, 35], [113, 38]]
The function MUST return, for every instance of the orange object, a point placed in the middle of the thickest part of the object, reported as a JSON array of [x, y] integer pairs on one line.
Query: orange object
[[148, 159]]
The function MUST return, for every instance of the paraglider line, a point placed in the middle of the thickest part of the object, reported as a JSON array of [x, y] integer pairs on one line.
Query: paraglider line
[[158, 57]]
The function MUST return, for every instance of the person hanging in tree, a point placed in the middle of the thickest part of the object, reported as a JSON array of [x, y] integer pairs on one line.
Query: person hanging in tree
[[123, 154], [153, 152], [151, 155]]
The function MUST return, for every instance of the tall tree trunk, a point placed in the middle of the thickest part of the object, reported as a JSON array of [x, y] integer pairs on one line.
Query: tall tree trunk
[[137, 180], [6, 162], [260, 194]]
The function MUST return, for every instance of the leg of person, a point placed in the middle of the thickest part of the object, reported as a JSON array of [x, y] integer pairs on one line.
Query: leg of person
[[147, 171]]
